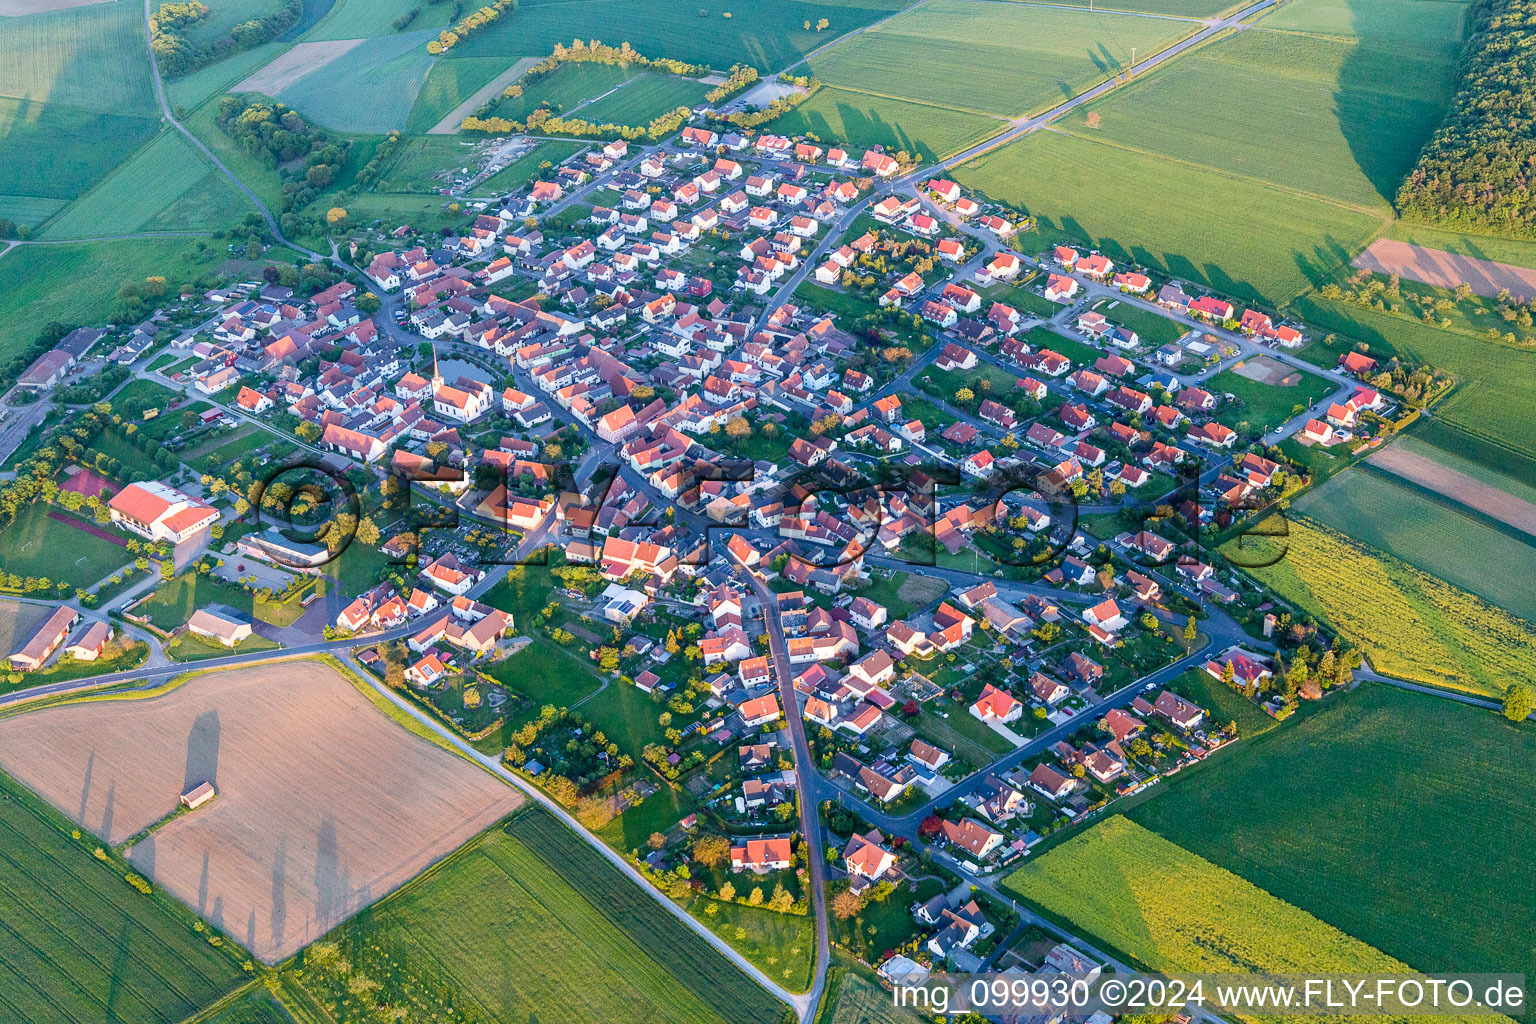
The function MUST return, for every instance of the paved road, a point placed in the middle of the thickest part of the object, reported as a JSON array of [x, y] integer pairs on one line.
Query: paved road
[[808, 781]]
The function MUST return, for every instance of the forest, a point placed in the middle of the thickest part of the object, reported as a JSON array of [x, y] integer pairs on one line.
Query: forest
[[1475, 172]]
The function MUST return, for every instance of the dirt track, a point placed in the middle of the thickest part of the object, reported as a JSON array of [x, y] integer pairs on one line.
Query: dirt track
[[1446, 269], [1473, 493], [324, 804]]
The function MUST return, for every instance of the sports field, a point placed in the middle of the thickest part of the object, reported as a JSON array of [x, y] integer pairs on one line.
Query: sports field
[[1456, 545], [645, 98], [864, 120], [1151, 900], [527, 922], [323, 805], [563, 88], [1395, 816], [1410, 624], [79, 945], [992, 58], [44, 541], [1261, 243]]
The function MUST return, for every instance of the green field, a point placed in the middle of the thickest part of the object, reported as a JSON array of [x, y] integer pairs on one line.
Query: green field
[[1496, 392], [521, 171], [370, 89], [75, 101], [1274, 248], [1395, 816], [1410, 624], [1402, 22], [36, 545], [570, 84], [254, 1007], [167, 186], [354, 19], [1427, 444], [527, 918], [1458, 546], [449, 83], [189, 91], [1152, 901], [1518, 251], [768, 36], [1355, 113], [78, 944], [646, 98], [863, 120], [855, 996], [1268, 405], [423, 156], [1152, 328], [79, 283], [992, 58]]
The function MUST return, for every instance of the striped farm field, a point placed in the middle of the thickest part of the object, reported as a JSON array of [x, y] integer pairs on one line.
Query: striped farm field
[[1457, 545], [78, 945], [1410, 624], [527, 922], [1264, 242], [1170, 910], [1397, 817], [993, 58], [565, 87]]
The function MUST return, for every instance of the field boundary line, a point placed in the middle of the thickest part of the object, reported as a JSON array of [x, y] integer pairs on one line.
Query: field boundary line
[[212, 1009], [114, 172], [1300, 193], [1156, 15]]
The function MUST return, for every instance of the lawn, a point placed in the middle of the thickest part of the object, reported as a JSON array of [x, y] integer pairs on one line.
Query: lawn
[[1456, 544], [37, 544], [645, 98], [767, 36], [782, 946], [173, 602], [903, 593], [1153, 329], [525, 168], [167, 186], [1022, 298], [189, 647], [962, 732], [78, 283], [545, 674], [1352, 114], [998, 59], [1410, 624], [79, 944], [526, 918], [1152, 901], [1395, 816], [887, 924], [1496, 394], [864, 120], [1273, 247], [1223, 703], [1268, 405]]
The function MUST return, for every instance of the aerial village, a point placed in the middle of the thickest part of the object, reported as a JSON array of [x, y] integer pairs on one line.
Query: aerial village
[[805, 448]]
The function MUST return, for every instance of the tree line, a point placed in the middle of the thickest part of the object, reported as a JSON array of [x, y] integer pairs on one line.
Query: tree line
[[178, 55], [1475, 172]]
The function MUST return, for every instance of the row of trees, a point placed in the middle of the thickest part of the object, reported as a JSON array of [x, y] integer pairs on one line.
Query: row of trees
[[778, 108], [1474, 174], [448, 38], [176, 54]]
